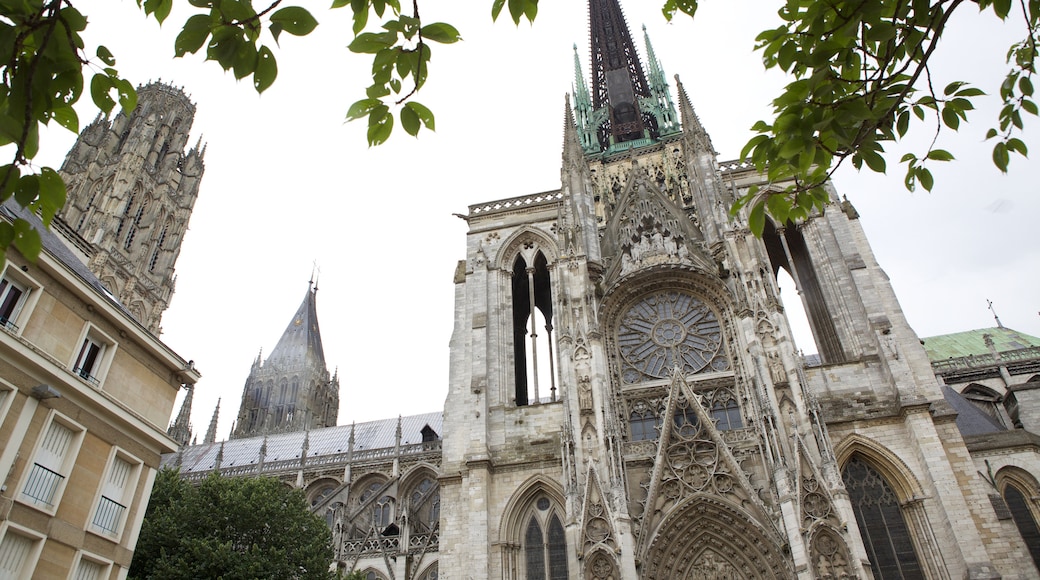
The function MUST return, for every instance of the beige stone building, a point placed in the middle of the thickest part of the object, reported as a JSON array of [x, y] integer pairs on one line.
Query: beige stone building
[[625, 399], [86, 387]]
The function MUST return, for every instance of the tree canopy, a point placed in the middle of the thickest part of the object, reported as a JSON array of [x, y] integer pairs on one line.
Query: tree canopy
[[230, 528], [860, 73]]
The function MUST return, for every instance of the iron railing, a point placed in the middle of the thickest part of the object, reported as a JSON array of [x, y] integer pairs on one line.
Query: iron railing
[[42, 485]]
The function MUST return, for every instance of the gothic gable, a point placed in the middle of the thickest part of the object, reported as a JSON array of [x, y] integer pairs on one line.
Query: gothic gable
[[648, 229]]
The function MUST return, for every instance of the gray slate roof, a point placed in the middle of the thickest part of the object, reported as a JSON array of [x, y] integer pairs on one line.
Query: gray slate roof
[[381, 434], [970, 419]]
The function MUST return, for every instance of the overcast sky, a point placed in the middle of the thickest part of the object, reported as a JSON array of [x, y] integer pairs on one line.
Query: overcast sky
[[289, 184]]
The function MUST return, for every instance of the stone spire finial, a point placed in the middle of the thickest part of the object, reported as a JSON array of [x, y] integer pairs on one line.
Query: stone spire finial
[[180, 429], [211, 433]]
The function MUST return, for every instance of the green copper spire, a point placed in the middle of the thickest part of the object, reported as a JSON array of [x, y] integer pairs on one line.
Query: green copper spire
[[583, 108], [663, 107]]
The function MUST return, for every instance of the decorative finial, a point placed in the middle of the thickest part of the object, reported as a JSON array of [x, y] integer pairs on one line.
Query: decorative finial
[[989, 303]]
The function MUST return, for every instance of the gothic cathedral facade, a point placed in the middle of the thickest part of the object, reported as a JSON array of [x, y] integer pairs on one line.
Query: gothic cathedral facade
[[132, 184], [656, 421], [625, 399]]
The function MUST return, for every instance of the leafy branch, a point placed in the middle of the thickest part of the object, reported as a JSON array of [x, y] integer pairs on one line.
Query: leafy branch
[[857, 67]]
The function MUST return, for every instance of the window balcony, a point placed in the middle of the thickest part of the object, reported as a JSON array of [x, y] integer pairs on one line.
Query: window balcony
[[109, 514], [42, 485]]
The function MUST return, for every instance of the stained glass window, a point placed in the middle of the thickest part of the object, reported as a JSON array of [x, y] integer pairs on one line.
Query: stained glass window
[[534, 548], [545, 556], [1024, 521], [666, 330], [727, 415], [885, 533]]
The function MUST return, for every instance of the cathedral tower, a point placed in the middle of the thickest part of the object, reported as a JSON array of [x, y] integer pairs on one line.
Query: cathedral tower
[[626, 399], [131, 189], [291, 390]]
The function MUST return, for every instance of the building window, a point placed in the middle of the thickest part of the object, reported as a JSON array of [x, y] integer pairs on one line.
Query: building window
[[425, 506], [47, 473], [6, 398], [90, 569], [727, 415], [92, 358], [18, 554], [1016, 502], [665, 330], [116, 494], [15, 291], [545, 548], [532, 313], [885, 533], [643, 424]]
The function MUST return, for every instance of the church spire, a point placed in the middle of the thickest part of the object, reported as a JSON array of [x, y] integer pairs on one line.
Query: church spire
[[618, 82], [180, 429], [662, 104], [291, 390], [211, 433]]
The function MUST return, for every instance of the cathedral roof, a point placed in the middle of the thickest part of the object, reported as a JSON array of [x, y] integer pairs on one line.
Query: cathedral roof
[[973, 343], [302, 337], [970, 419], [327, 442]]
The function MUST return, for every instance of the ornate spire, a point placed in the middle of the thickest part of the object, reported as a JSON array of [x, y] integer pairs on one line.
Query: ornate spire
[[618, 82], [180, 429], [663, 106], [291, 390], [583, 108], [211, 433]]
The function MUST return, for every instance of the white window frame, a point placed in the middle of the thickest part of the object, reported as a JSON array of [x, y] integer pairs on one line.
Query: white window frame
[[29, 564], [106, 565], [25, 304], [64, 470], [102, 506], [92, 336], [7, 394]]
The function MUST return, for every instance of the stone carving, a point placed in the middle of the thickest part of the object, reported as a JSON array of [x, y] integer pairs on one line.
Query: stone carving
[[585, 394], [829, 557]]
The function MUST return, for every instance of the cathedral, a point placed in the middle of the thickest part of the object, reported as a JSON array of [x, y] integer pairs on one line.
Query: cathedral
[[625, 399]]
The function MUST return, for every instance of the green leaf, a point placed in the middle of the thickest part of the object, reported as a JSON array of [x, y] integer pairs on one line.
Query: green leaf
[[66, 117], [27, 189], [380, 125], [950, 117], [52, 194], [295, 20], [410, 121], [441, 32], [127, 94], [106, 56], [100, 85], [362, 108], [940, 155], [925, 177], [266, 70], [1000, 157], [425, 115], [496, 9], [372, 42], [757, 218], [194, 34], [26, 239]]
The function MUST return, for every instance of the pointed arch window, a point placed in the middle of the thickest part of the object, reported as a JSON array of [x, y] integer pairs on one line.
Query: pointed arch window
[[158, 247], [532, 307], [787, 249], [545, 550], [1023, 517], [885, 533]]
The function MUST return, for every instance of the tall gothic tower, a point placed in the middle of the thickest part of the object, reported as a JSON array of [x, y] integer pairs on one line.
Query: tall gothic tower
[[291, 390], [625, 397], [131, 190]]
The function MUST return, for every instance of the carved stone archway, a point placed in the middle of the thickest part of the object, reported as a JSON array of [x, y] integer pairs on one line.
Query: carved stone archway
[[706, 538]]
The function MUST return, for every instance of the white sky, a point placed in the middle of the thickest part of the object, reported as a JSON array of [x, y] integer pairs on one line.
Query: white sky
[[287, 183]]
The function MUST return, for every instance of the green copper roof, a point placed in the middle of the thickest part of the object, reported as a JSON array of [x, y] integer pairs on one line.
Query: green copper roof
[[972, 342]]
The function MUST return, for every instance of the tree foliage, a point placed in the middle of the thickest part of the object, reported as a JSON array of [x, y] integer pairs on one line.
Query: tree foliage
[[230, 528], [860, 72]]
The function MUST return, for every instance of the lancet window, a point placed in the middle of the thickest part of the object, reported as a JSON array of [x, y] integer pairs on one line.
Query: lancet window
[[425, 506], [532, 315], [787, 249], [886, 536], [545, 546], [1019, 507]]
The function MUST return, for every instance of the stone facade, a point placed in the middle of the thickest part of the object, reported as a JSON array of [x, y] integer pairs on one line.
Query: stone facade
[[625, 399], [131, 188], [86, 392], [86, 386]]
